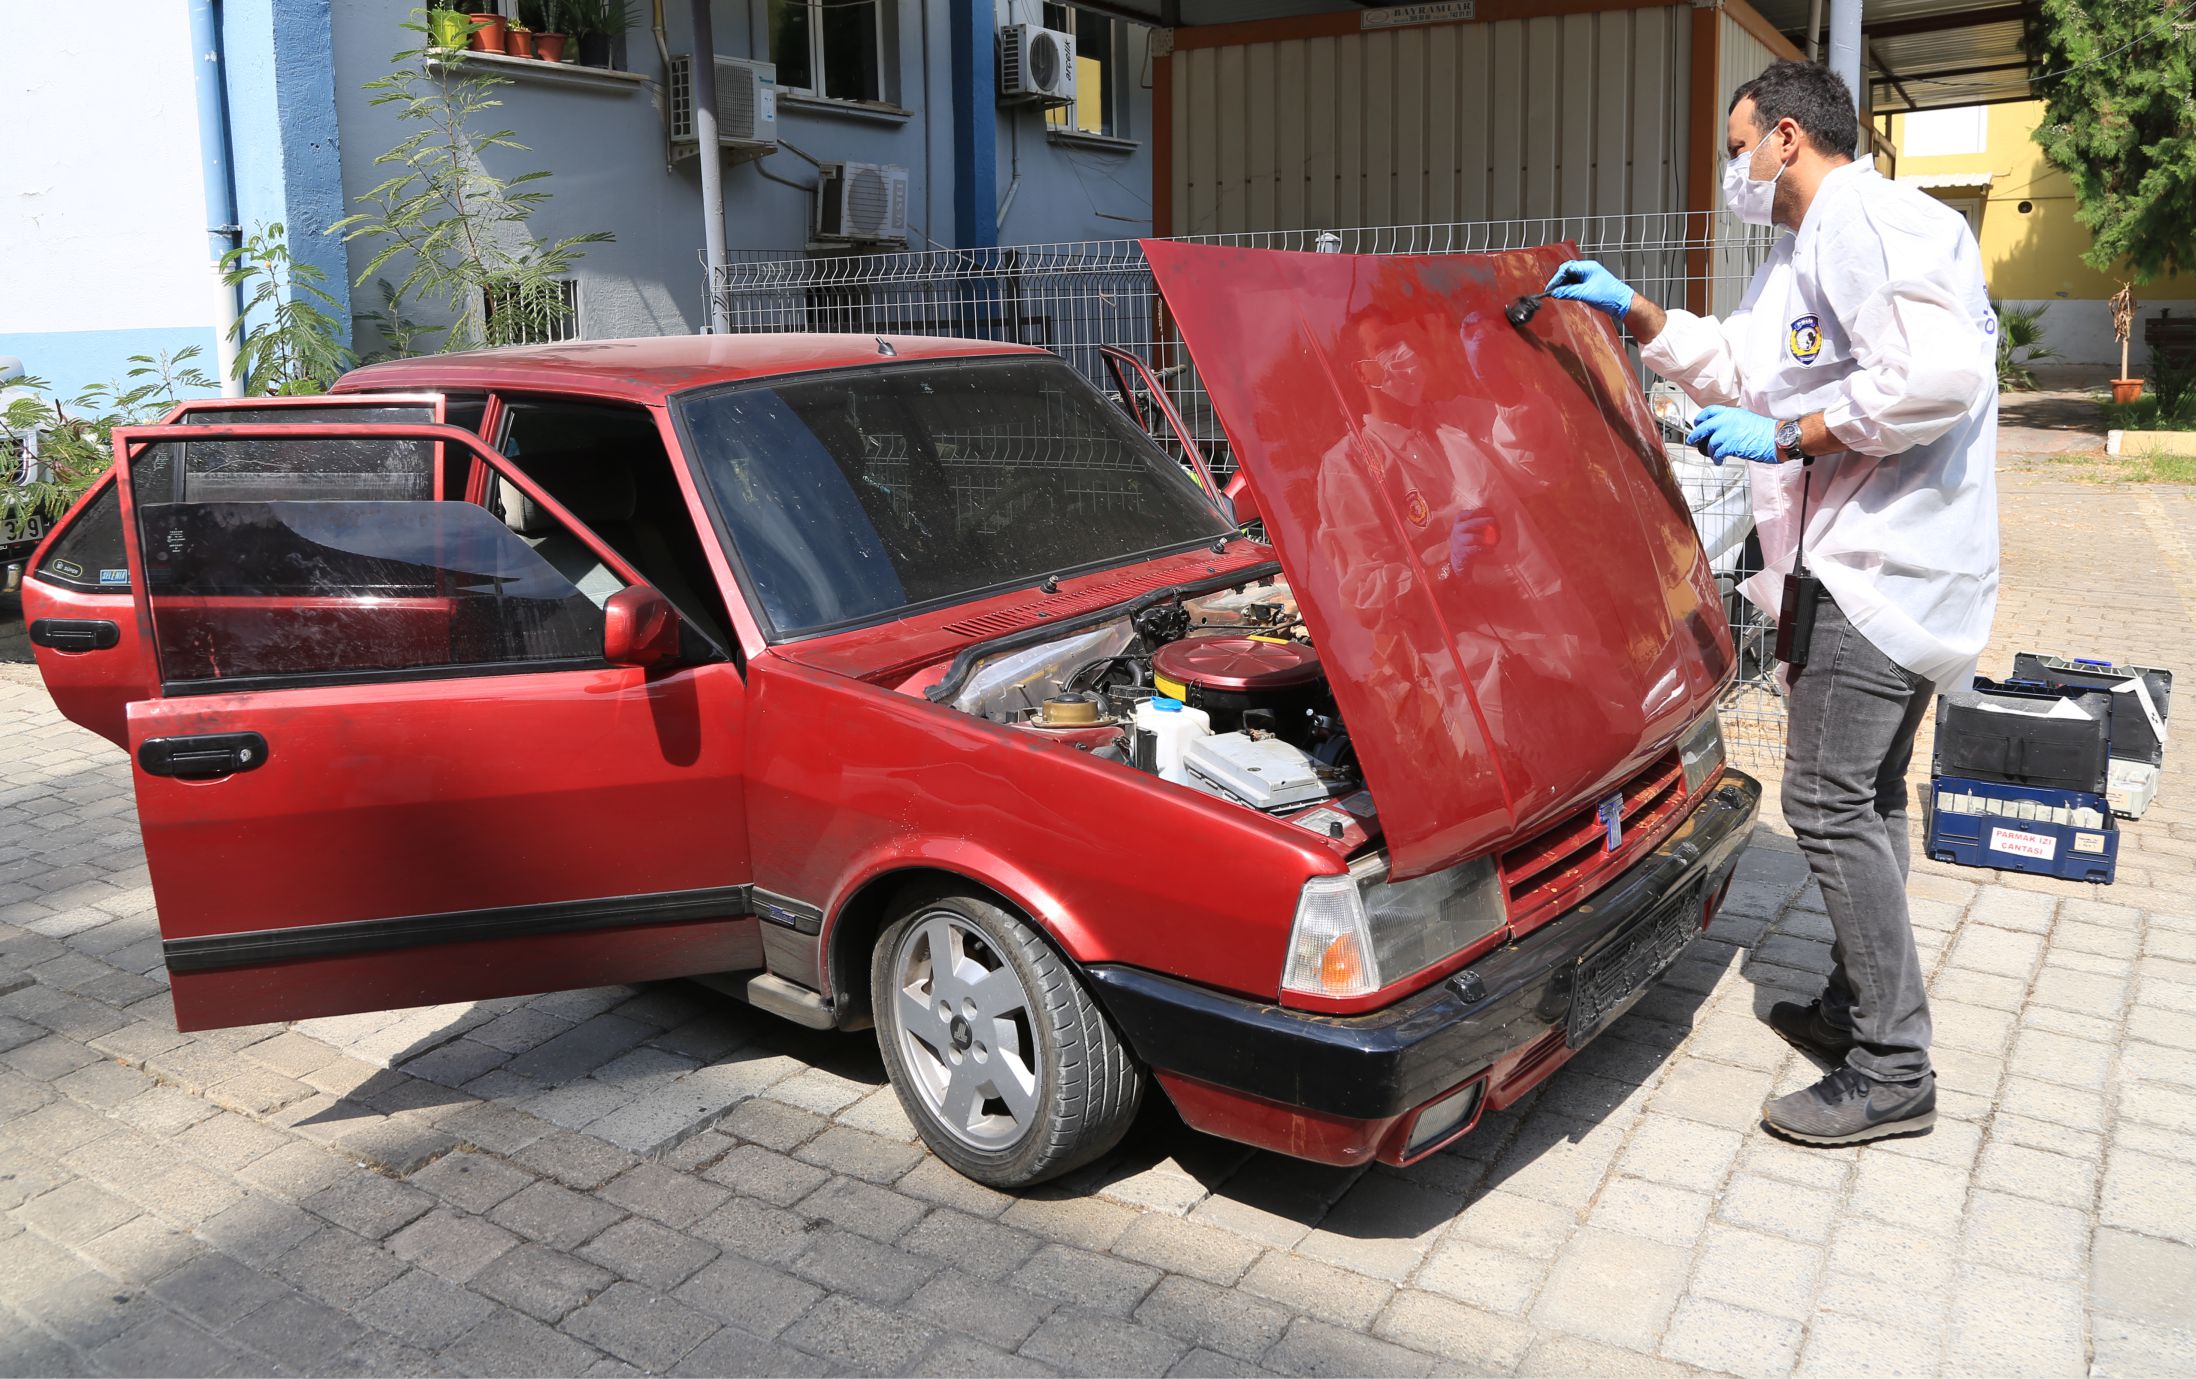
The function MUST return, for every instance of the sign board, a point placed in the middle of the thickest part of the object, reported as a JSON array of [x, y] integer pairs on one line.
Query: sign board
[[1433, 12]]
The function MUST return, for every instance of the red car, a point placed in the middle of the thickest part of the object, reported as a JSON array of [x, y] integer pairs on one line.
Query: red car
[[909, 682]]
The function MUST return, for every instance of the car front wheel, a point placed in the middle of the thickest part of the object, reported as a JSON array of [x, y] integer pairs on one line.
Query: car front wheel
[[1008, 1068]]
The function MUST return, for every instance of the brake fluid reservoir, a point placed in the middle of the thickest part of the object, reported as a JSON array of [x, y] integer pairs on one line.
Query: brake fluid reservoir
[[1172, 726]]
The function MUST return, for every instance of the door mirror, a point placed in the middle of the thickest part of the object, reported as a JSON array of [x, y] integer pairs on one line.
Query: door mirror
[[1244, 501], [639, 628]]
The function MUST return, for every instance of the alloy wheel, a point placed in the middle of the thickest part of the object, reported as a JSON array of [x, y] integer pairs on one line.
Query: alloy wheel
[[965, 1031]]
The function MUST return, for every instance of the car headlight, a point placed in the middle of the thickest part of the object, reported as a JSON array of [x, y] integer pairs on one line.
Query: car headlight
[[1357, 932], [1700, 751]]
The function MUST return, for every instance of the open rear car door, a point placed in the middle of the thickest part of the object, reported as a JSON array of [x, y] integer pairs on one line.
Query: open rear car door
[[387, 752]]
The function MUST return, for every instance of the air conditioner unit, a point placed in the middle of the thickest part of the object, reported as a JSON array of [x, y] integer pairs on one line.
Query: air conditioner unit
[[747, 103], [861, 203], [1036, 65]]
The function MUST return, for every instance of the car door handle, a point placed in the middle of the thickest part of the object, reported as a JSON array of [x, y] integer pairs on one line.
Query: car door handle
[[74, 634], [200, 758]]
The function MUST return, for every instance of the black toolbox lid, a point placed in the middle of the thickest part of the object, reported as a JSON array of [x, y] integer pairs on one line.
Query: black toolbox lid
[[2133, 737], [2018, 732]]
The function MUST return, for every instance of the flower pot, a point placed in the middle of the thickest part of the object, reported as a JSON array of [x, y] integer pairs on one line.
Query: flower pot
[[2126, 389], [594, 50], [447, 28], [520, 43], [549, 47], [489, 33]]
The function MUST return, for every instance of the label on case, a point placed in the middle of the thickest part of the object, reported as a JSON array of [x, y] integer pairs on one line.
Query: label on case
[[2041, 846], [2089, 842]]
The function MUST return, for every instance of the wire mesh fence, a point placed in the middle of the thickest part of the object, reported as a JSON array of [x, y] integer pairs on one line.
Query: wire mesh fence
[[1080, 297]]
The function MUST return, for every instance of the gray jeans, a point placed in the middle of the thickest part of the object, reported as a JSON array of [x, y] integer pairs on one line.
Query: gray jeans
[[1854, 713]]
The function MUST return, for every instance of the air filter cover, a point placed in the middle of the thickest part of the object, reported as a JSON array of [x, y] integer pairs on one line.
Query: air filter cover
[[1240, 664]]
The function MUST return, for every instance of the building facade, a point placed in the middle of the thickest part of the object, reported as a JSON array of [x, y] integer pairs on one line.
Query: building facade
[[104, 218], [1982, 161]]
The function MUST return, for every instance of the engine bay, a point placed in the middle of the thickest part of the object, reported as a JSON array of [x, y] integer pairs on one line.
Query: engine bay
[[1221, 693]]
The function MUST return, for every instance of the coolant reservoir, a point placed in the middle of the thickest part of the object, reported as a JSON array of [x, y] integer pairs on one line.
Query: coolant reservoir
[[1172, 725]]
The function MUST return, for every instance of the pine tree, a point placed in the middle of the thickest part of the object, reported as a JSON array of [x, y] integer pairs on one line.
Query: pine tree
[[2118, 81]]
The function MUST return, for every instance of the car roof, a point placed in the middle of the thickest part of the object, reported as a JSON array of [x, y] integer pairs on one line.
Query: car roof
[[651, 368]]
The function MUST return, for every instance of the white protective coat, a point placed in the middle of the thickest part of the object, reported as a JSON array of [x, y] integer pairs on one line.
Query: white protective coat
[[1874, 314]]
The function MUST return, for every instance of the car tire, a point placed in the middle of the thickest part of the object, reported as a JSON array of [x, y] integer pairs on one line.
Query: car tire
[[1009, 1069]]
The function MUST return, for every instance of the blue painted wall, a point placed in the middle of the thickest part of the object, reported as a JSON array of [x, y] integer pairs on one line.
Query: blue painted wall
[[284, 129], [72, 360]]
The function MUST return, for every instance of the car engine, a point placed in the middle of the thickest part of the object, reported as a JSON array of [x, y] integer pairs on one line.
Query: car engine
[[1222, 694]]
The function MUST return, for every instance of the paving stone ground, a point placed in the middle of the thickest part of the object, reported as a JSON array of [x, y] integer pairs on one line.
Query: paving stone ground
[[658, 1180]]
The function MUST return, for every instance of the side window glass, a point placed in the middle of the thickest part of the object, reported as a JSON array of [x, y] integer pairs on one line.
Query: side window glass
[[88, 554], [315, 469], [608, 466], [344, 582]]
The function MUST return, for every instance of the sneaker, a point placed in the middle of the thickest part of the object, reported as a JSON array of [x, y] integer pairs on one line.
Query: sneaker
[[1807, 1029], [1848, 1107]]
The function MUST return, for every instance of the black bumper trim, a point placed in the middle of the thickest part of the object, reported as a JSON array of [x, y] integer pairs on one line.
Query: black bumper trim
[[1381, 1064]]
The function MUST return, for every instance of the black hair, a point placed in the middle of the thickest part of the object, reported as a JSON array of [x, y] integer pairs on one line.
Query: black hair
[[1811, 96]]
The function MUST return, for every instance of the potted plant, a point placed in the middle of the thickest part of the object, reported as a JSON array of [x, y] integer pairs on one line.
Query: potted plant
[[550, 30], [520, 39], [447, 25], [2124, 388], [597, 24], [489, 34]]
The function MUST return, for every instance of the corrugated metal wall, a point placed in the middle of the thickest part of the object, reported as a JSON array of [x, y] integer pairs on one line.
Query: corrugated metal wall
[[1560, 116], [1739, 59]]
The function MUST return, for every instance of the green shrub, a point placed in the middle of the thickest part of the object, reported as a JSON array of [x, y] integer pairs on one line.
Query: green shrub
[[2020, 344]]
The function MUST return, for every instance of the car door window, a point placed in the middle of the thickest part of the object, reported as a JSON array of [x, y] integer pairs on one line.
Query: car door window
[[608, 466], [88, 554], [332, 561]]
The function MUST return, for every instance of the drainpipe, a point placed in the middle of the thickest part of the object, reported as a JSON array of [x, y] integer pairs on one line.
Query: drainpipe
[[222, 231], [712, 161], [1845, 45]]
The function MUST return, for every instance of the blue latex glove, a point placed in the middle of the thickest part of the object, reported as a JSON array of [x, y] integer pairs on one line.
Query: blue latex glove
[[1722, 433], [1583, 280]]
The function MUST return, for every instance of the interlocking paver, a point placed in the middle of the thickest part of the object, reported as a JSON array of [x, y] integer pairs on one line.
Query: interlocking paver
[[1577, 1297], [648, 1253], [859, 1334], [639, 1326], [753, 1297]]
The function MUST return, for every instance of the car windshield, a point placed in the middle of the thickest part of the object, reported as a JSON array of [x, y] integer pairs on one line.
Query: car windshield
[[850, 496]]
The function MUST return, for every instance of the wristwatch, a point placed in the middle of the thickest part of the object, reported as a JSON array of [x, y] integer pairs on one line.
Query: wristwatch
[[1788, 441]]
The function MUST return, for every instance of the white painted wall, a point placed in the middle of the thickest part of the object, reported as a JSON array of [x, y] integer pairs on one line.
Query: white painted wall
[[2081, 330], [102, 214]]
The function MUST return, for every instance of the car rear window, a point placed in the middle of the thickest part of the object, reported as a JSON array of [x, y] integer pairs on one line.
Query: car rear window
[[852, 496]]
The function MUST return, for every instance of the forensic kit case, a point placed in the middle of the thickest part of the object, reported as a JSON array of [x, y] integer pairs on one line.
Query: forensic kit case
[[2018, 780]]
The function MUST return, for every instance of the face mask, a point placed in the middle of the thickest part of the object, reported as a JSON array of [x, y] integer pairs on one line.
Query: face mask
[[1747, 198]]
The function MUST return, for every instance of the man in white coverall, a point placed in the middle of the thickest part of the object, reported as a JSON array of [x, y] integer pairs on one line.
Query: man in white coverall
[[1858, 375]]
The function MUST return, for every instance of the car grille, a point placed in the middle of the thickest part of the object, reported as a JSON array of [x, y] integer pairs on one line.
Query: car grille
[[1563, 864]]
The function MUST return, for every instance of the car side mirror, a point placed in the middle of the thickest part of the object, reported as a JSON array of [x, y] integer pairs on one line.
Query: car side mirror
[[1239, 493], [639, 628]]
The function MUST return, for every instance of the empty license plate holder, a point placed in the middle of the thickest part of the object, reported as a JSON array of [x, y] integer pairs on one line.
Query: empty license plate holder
[[1605, 983]]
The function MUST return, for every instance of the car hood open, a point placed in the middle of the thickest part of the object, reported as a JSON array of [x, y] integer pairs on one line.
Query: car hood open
[[1477, 519]]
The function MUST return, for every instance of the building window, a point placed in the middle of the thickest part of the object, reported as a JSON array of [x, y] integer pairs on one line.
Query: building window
[[830, 48], [1941, 133], [1101, 97], [516, 315]]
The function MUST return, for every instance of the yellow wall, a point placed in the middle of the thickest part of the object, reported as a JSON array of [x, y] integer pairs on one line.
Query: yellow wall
[[2037, 255]]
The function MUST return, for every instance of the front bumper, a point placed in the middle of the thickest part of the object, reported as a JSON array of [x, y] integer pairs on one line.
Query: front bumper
[[1346, 1089]]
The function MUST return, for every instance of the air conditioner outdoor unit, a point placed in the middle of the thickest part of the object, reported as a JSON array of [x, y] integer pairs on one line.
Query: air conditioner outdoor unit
[[861, 203], [1036, 65], [747, 103]]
